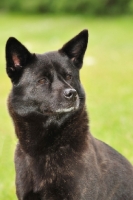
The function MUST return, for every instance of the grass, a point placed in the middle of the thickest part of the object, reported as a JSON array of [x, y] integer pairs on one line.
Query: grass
[[107, 77]]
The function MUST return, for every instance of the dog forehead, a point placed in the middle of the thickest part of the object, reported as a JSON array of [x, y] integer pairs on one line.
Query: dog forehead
[[53, 61]]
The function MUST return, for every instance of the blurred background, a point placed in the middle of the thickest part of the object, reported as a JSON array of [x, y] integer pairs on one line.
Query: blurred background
[[107, 75]]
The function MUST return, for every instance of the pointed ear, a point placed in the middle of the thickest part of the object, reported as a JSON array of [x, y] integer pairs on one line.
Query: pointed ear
[[17, 57], [76, 47]]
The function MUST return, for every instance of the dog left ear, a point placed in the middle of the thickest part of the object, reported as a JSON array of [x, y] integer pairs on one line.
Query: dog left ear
[[17, 57], [76, 47]]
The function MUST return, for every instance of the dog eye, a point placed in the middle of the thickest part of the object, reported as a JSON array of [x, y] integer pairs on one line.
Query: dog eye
[[43, 81], [68, 77]]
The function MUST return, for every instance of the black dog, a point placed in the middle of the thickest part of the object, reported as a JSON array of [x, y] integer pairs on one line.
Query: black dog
[[57, 158]]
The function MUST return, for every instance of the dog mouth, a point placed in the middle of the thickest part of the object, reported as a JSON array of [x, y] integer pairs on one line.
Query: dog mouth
[[61, 110], [69, 109]]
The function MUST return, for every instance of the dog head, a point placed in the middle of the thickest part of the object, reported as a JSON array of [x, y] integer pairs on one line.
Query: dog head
[[46, 83]]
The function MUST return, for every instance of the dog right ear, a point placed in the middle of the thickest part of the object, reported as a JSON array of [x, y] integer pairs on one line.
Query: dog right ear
[[76, 47], [17, 57]]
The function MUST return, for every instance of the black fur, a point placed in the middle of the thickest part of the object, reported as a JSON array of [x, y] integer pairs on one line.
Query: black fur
[[56, 157]]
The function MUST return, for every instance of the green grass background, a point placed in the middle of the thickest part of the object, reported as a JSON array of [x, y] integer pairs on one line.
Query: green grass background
[[107, 77]]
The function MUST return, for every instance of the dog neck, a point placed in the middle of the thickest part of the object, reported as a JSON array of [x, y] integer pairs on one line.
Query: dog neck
[[39, 134]]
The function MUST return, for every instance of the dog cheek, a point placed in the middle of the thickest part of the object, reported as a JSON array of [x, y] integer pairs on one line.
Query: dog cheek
[[45, 105]]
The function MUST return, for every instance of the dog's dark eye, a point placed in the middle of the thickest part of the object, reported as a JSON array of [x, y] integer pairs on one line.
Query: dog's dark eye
[[68, 77], [43, 81]]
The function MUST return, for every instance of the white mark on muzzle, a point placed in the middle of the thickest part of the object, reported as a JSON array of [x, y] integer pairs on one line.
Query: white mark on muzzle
[[63, 110]]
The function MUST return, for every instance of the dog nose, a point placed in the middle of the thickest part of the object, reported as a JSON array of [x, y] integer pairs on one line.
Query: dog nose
[[70, 94]]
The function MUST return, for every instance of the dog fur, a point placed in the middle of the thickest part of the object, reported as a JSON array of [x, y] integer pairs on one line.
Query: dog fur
[[56, 157]]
